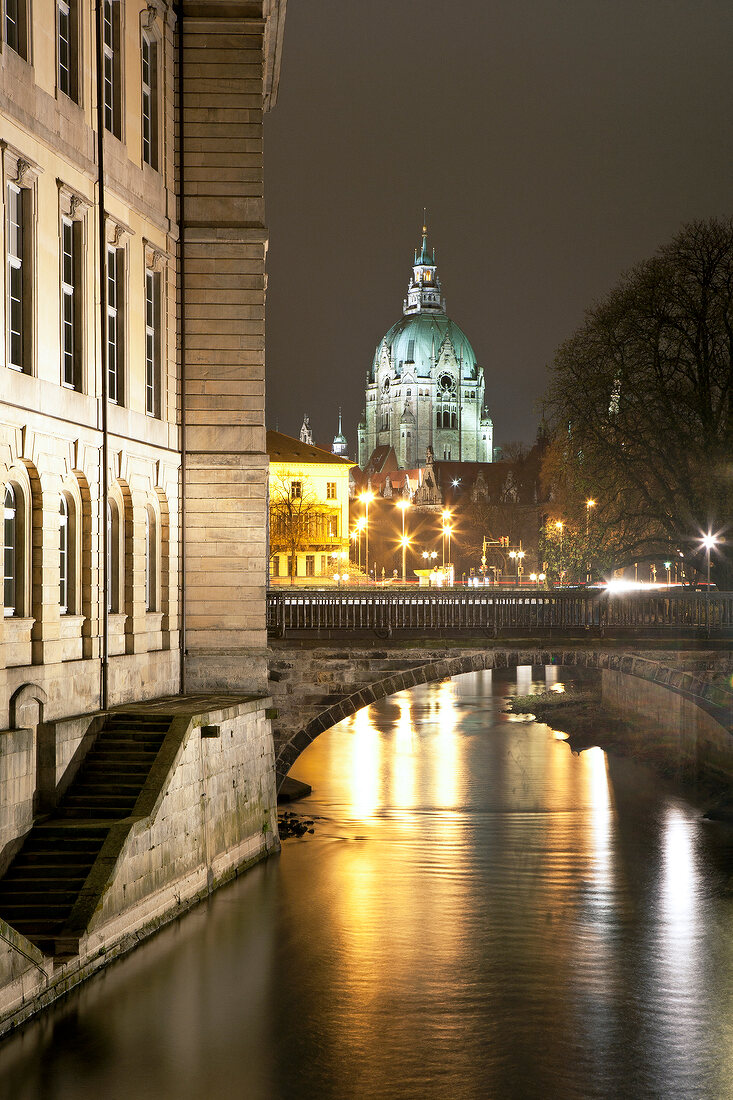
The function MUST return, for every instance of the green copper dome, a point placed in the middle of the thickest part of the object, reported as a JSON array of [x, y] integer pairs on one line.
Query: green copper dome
[[416, 337]]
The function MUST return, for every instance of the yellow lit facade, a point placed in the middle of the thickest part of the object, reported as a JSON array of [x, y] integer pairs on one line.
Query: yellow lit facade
[[309, 511]]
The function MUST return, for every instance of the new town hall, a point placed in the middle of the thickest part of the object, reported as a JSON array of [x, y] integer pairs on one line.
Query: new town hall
[[425, 389]]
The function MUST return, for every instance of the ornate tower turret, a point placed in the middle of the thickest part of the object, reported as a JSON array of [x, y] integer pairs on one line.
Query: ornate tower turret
[[340, 446], [424, 290]]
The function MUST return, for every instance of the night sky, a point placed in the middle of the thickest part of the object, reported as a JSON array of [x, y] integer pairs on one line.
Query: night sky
[[553, 144]]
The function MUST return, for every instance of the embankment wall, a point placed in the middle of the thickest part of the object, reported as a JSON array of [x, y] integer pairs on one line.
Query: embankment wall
[[211, 813]]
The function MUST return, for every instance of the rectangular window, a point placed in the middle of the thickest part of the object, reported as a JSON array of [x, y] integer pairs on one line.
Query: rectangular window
[[70, 304], [111, 82], [333, 527], [330, 490], [16, 26], [66, 48], [310, 565], [290, 565], [115, 324], [152, 343], [296, 489], [17, 276], [150, 101]]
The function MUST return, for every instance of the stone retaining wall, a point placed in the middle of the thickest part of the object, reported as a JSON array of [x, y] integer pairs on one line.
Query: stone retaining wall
[[211, 813]]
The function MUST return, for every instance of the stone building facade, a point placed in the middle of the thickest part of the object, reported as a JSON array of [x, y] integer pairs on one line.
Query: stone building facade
[[309, 510], [132, 439], [425, 388]]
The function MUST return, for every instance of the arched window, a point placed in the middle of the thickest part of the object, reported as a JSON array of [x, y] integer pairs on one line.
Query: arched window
[[10, 555], [151, 559], [64, 555]]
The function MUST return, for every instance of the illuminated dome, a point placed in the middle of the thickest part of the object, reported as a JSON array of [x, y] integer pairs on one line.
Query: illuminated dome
[[425, 391], [416, 340]]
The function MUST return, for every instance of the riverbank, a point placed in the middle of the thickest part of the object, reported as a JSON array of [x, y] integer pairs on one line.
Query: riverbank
[[581, 714]]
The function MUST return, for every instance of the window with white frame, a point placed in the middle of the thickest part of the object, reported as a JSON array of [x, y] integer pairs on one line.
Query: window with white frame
[[150, 100], [67, 48], [115, 324], [152, 343], [112, 68], [10, 551], [18, 277], [330, 490], [16, 26], [64, 552], [70, 303]]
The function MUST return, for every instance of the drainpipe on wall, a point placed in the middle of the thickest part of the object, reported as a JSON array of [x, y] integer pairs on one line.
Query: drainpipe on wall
[[182, 353], [102, 228]]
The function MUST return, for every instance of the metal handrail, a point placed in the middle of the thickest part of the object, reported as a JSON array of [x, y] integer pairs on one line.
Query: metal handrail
[[495, 611]]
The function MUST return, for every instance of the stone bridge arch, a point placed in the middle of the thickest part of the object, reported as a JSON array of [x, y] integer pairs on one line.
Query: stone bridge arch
[[314, 687]]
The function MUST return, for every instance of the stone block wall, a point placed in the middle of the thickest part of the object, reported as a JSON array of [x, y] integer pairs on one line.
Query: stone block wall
[[222, 307], [207, 812]]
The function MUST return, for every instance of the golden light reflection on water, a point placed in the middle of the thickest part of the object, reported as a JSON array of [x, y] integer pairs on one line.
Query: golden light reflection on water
[[679, 873], [445, 794], [403, 768], [365, 765]]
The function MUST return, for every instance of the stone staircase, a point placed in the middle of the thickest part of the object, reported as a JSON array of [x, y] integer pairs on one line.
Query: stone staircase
[[47, 876]]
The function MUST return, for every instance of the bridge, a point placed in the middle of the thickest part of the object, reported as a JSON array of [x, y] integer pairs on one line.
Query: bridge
[[594, 611], [329, 657]]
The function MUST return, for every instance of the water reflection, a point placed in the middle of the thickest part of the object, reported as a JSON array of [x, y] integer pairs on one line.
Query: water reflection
[[481, 913]]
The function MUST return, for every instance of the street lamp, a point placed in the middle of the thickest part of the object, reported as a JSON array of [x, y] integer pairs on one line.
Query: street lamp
[[668, 567], [446, 518], [520, 567], [403, 505], [708, 541], [447, 530], [366, 499], [588, 505]]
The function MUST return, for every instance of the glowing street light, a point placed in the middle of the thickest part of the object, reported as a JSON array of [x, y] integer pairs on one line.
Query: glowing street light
[[447, 530], [588, 505], [709, 541], [403, 505], [668, 567], [366, 499]]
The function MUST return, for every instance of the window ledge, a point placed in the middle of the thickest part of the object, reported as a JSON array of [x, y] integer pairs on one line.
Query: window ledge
[[17, 629]]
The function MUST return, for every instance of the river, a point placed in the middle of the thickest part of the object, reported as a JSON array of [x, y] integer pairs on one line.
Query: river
[[478, 913]]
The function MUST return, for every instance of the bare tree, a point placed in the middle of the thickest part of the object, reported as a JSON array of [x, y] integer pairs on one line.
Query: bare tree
[[299, 519], [641, 402]]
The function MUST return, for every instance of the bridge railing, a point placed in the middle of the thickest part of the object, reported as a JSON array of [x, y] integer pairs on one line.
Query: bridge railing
[[494, 612]]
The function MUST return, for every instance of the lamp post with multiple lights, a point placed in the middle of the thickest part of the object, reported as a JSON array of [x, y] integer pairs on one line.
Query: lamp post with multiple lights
[[588, 505], [709, 541], [403, 505], [366, 499]]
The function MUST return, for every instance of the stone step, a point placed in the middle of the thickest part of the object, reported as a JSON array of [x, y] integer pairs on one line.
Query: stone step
[[65, 840], [43, 883], [129, 741], [109, 784], [35, 893], [15, 911], [148, 721], [58, 863]]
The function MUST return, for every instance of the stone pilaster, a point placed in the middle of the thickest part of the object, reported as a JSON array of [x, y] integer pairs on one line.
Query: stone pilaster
[[222, 304]]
